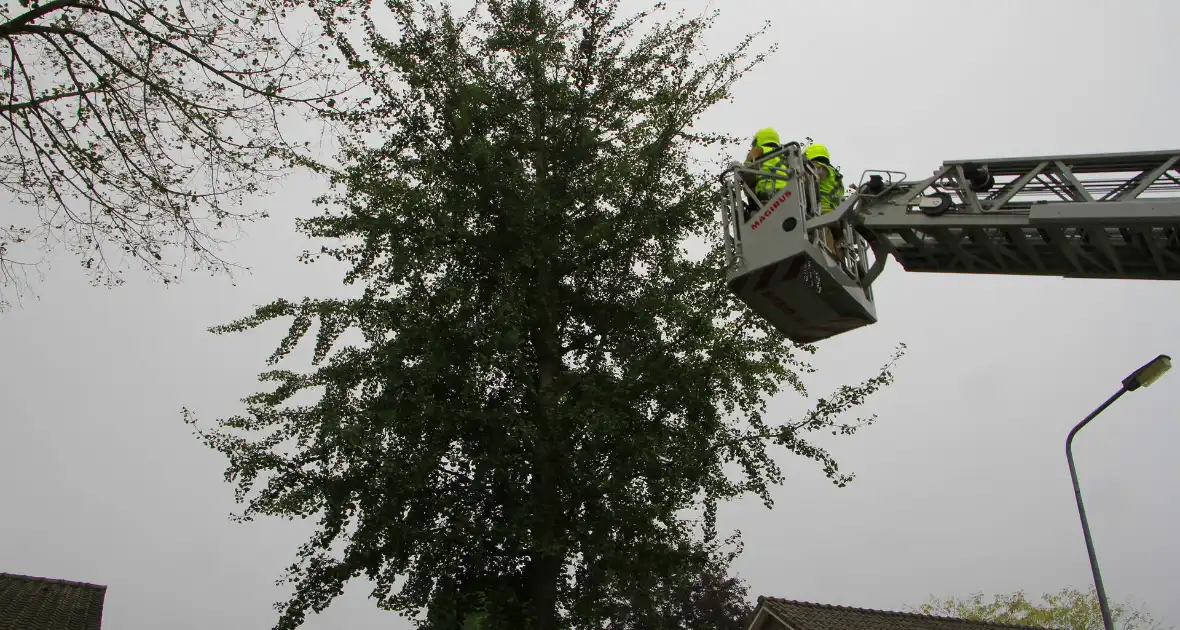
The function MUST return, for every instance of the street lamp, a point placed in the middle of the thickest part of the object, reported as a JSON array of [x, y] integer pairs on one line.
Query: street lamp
[[1143, 377]]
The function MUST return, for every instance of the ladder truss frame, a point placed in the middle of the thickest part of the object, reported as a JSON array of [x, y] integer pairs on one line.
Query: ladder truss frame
[[1090, 216]]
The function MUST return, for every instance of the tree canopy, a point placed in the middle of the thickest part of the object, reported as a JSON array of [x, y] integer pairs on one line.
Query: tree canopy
[[1067, 609], [552, 389], [713, 598], [135, 127]]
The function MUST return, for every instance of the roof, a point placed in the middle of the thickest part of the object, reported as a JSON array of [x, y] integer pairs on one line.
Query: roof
[[33, 603], [809, 616]]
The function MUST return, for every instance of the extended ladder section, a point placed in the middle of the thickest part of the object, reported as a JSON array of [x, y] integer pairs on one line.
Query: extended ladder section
[[1081, 216]]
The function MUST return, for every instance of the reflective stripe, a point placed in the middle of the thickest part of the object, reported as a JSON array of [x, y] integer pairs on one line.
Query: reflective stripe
[[766, 186]]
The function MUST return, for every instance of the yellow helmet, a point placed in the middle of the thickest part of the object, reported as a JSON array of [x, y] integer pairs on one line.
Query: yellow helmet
[[765, 136], [816, 151]]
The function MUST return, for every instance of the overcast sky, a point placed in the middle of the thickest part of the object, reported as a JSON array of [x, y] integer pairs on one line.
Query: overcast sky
[[963, 485]]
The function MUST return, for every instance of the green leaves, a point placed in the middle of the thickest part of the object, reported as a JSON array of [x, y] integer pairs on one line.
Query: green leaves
[[547, 381], [1067, 609]]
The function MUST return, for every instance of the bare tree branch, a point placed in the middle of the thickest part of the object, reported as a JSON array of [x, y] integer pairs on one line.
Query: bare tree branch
[[139, 127]]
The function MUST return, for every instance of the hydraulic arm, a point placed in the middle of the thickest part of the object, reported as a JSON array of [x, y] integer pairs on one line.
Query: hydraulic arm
[[1085, 216], [1081, 216]]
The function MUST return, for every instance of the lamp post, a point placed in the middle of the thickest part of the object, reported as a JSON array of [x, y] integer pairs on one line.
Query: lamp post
[[1143, 377]]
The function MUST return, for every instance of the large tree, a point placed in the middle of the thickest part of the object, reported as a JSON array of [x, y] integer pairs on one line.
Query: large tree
[[553, 378], [135, 127], [1067, 609]]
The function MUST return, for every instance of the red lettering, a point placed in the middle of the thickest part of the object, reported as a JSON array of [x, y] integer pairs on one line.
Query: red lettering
[[770, 210]]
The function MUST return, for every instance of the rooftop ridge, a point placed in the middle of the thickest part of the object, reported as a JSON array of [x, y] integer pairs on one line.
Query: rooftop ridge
[[32, 578], [896, 613]]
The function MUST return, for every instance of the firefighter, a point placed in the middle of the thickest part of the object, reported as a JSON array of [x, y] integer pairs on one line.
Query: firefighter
[[831, 182], [831, 188], [765, 141]]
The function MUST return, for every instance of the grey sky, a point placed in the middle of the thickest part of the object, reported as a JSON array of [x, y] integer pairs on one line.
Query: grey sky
[[962, 486]]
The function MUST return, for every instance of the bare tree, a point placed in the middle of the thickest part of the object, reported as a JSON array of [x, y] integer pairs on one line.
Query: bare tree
[[136, 127]]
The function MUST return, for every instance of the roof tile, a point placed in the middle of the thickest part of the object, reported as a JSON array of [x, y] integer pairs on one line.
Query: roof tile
[[810, 616], [33, 603]]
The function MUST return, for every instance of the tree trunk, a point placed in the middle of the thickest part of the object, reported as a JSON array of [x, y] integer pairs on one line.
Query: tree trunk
[[546, 558]]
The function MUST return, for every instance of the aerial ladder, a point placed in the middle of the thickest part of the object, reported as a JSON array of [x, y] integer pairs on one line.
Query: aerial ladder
[[810, 274]]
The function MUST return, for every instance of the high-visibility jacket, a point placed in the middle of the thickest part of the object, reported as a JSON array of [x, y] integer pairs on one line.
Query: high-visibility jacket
[[831, 182], [831, 187], [766, 187]]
